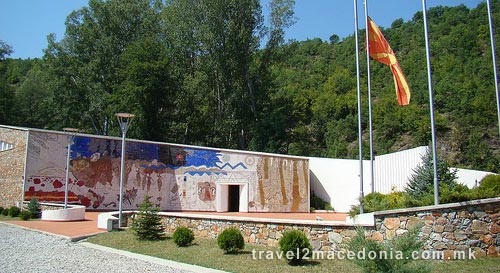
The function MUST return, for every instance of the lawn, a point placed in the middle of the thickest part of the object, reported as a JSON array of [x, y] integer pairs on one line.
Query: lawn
[[206, 253]]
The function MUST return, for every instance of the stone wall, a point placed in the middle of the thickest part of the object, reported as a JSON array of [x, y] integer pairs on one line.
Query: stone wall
[[460, 226], [448, 227], [12, 166], [322, 236]]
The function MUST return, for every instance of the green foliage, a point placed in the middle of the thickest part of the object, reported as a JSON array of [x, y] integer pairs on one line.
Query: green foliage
[[196, 74], [34, 208], [183, 236], [1, 210], [14, 211], [394, 256], [489, 187], [5, 50], [147, 222], [319, 204], [25, 215], [5, 212], [230, 240], [377, 201], [295, 246], [422, 180]]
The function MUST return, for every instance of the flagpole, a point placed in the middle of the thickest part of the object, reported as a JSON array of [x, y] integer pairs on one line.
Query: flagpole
[[372, 178], [492, 38], [431, 105], [360, 129]]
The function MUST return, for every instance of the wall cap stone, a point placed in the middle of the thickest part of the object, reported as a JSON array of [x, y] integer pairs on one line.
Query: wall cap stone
[[156, 142], [251, 219], [438, 207]]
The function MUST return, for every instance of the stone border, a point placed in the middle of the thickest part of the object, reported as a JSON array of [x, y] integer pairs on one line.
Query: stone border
[[438, 207], [263, 220]]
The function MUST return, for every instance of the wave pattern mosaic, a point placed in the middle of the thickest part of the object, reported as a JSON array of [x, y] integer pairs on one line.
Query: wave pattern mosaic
[[176, 177]]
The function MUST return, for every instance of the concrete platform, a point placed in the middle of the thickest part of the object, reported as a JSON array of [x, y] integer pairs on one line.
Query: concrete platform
[[73, 230]]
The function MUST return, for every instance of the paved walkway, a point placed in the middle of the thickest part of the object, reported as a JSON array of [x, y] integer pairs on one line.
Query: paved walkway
[[75, 230], [78, 230], [24, 250]]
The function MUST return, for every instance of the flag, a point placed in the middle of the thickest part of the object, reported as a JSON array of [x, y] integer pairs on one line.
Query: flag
[[382, 52]]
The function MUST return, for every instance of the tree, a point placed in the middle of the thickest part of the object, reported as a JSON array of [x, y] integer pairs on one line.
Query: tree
[[86, 60], [147, 223], [422, 181], [5, 50], [7, 94]]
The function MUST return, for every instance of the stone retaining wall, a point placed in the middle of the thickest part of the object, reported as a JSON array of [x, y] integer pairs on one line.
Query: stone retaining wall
[[322, 236], [12, 167], [450, 227]]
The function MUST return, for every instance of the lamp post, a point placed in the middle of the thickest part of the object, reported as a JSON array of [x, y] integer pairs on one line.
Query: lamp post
[[70, 136], [124, 119]]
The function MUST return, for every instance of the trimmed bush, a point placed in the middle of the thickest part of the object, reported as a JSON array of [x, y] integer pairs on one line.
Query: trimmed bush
[[14, 211], [230, 240], [1, 210], [295, 246], [183, 236], [34, 208], [25, 215], [5, 212], [147, 223]]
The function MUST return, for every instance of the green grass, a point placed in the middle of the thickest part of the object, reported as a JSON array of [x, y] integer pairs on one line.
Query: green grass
[[206, 253], [8, 218]]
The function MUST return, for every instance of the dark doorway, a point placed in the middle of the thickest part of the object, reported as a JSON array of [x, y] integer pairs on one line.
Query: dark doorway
[[233, 198]]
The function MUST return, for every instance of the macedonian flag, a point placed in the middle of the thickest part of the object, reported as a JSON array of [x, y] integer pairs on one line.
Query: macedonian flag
[[382, 52]]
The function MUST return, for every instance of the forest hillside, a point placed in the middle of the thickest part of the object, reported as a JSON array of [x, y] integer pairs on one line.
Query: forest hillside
[[203, 75]]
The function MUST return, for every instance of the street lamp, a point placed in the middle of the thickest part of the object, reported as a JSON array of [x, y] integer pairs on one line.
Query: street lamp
[[70, 136], [125, 120]]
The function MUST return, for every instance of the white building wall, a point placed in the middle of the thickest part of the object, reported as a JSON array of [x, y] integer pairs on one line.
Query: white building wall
[[392, 171], [337, 180], [470, 178]]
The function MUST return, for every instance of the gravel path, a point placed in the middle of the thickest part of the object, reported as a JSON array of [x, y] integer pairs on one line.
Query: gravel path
[[24, 250]]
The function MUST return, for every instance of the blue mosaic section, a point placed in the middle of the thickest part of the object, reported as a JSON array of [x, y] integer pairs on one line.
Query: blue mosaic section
[[142, 151], [81, 147], [198, 158]]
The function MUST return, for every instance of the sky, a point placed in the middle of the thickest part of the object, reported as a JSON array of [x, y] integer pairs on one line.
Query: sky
[[25, 24]]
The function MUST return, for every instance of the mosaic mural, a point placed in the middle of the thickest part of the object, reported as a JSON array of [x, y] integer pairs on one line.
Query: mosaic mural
[[177, 178]]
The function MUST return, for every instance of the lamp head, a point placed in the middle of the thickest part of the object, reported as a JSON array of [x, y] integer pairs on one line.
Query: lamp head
[[70, 130]]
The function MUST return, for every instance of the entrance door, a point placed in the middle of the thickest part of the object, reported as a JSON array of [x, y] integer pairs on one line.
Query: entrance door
[[234, 198]]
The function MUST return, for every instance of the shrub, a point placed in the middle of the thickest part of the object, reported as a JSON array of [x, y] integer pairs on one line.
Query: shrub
[[377, 201], [25, 215], [147, 223], [14, 211], [295, 246], [5, 212], [230, 240], [34, 208], [319, 204], [183, 236], [422, 181], [394, 256], [489, 187], [1, 210], [459, 193]]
